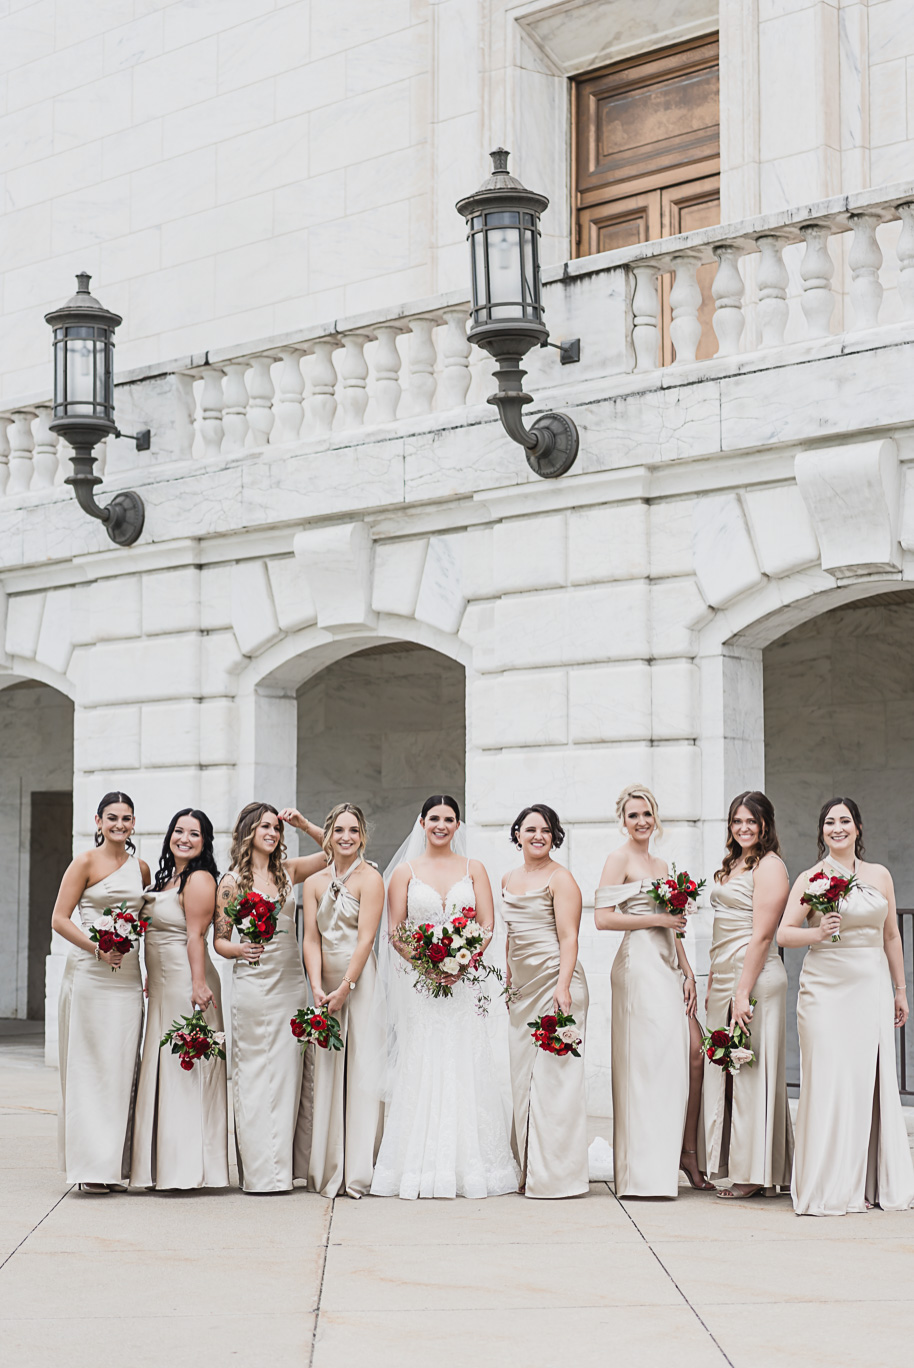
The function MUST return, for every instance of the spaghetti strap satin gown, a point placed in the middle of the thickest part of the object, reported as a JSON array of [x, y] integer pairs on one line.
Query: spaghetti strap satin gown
[[549, 1134], [650, 1051], [180, 1137], [271, 1115], [852, 1145], [750, 1139], [100, 1022]]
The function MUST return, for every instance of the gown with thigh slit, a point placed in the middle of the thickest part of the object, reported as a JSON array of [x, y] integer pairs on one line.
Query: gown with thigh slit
[[446, 1132], [749, 1137], [100, 1021], [180, 1137], [650, 1051], [550, 1107], [852, 1144], [271, 1116], [347, 1111]]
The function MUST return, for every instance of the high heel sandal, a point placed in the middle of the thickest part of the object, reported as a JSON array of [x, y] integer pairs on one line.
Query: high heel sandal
[[728, 1195], [94, 1189], [704, 1185]]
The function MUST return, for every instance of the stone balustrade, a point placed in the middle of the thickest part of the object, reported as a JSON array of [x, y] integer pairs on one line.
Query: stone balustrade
[[844, 266]]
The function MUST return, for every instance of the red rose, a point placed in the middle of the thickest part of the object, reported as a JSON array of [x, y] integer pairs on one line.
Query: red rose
[[106, 941], [720, 1039], [122, 944], [126, 916], [437, 953], [468, 911], [679, 900], [549, 1024], [821, 875], [298, 1029], [710, 1051], [186, 1063]]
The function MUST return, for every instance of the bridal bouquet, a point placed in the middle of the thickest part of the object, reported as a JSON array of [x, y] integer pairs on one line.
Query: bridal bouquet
[[191, 1039], [675, 893], [556, 1033], [255, 918], [451, 950], [117, 929], [826, 899], [729, 1049], [316, 1028]]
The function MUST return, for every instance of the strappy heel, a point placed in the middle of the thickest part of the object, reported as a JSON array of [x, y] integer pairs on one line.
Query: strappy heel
[[94, 1189], [704, 1185]]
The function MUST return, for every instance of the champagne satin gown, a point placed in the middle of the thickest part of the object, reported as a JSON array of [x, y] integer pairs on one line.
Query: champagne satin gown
[[852, 1145], [271, 1115], [100, 1020], [347, 1111], [650, 1051], [549, 1134], [180, 1136], [751, 1139]]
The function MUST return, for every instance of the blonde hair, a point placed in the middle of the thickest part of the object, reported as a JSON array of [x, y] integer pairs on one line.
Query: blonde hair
[[643, 792], [329, 824], [246, 823]]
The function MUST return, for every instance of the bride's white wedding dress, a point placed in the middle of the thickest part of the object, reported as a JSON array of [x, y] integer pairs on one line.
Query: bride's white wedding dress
[[446, 1131]]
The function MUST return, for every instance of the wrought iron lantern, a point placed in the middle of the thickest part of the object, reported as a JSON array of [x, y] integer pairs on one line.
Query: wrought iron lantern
[[503, 221], [84, 405]]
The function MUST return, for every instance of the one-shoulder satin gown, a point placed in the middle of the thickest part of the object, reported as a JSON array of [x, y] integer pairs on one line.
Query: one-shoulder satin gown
[[650, 1051], [99, 1026], [852, 1145], [180, 1136], [550, 1108]]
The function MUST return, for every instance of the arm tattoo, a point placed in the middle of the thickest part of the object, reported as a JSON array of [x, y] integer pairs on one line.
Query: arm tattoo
[[222, 927]]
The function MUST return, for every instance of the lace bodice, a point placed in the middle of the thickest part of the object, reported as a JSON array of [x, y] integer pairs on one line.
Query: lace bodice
[[423, 903]]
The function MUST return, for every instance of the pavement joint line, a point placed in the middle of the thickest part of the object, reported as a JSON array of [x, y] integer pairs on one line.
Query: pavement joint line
[[320, 1286], [695, 1313], [30, 1233]]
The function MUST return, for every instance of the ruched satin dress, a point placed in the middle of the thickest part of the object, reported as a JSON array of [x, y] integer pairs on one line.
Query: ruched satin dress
[[852, 1145], [180, 1136], [650, 1051], [347, 1111], [100, 1021], [271, 1123], [751, 1140], [549, 1134]]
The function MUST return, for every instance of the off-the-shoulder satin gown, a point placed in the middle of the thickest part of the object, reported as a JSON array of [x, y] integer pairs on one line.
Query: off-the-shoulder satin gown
[[180, 1137], [650, 1051], [100, 1020], [749, 1140], [852, 1145], [550, 1107]]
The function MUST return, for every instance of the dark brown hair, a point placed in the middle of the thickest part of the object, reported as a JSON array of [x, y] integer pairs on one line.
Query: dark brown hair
[[549, 816], [763, 811], [854, 811], [112, 800]]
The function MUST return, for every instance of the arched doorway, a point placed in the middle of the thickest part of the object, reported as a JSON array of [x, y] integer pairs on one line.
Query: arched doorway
[[36, 834]]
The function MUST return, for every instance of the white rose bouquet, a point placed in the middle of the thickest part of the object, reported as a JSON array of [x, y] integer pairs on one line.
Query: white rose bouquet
[[448, 954]]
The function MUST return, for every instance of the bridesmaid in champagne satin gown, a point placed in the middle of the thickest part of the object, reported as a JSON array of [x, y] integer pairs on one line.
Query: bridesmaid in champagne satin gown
[[748, 1132], [180, 1135], [852, 1145], [541, 904], [342, 912], [100, 1017], [272, 1125]]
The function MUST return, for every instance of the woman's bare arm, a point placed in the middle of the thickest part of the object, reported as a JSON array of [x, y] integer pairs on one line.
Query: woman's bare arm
[[199, 900]]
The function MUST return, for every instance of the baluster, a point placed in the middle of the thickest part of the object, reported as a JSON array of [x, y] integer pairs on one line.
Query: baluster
[[290, 409], [4, 453], [235, 405], [905, 250], [387, 372], [864, 259], [260, 408], [211, 402], [645, 315], [816, 271], [422, 383], [185, 414], [322, 400], [64, 469], [772, 289], [728, 299], [685, 301], [455, 352], [44, 460], [21, 447], [354, 373]]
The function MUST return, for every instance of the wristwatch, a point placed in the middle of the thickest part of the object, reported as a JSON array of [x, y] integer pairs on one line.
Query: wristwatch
[[350, 982]]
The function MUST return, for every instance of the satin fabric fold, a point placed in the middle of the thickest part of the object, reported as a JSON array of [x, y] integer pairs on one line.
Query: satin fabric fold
[[549, 1134], [180, 1135]]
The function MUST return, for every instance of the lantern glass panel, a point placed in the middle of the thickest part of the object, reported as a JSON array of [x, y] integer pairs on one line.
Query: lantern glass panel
[[531, 277], [480, 287], [503, 248], [86, 371]]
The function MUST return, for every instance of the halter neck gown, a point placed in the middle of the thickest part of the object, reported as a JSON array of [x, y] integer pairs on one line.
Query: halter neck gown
[[852, 1145], [751, 1139], [347, 1111], [180, 1137], [550, 1107], [99, 1023], [650, 1051]]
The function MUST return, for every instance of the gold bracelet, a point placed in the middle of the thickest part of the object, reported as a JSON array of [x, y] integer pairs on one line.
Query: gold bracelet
[[98, 954]]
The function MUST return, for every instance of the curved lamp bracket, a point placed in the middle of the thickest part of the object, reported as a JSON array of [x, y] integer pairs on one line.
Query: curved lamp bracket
[[551, 441], [123, 517]]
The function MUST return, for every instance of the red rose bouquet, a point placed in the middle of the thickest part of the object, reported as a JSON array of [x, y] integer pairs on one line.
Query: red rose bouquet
[[316, 1027], [729, 1049], [117, 929], [556, 1033], [255, 918], [834, 889], [191, 1039], [451, 950], [675, 893]]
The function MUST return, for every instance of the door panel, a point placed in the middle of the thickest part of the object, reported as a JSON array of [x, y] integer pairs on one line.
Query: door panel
[[623, 223]]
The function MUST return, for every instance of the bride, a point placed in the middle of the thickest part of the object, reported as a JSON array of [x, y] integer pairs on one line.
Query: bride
[[446, 1131]]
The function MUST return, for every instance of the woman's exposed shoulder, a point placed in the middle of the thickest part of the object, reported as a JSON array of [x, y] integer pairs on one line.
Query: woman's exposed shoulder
[[198, 877]]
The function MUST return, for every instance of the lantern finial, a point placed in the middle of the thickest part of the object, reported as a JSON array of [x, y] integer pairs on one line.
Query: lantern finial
[[500, 159]]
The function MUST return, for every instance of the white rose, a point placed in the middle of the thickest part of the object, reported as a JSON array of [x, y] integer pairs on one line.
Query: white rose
[[219, 1037], [740, 1056], [450, 965], [122, 928], [247, 924], [463, 957], [457, 942], [569, 1035], [104, 924]]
